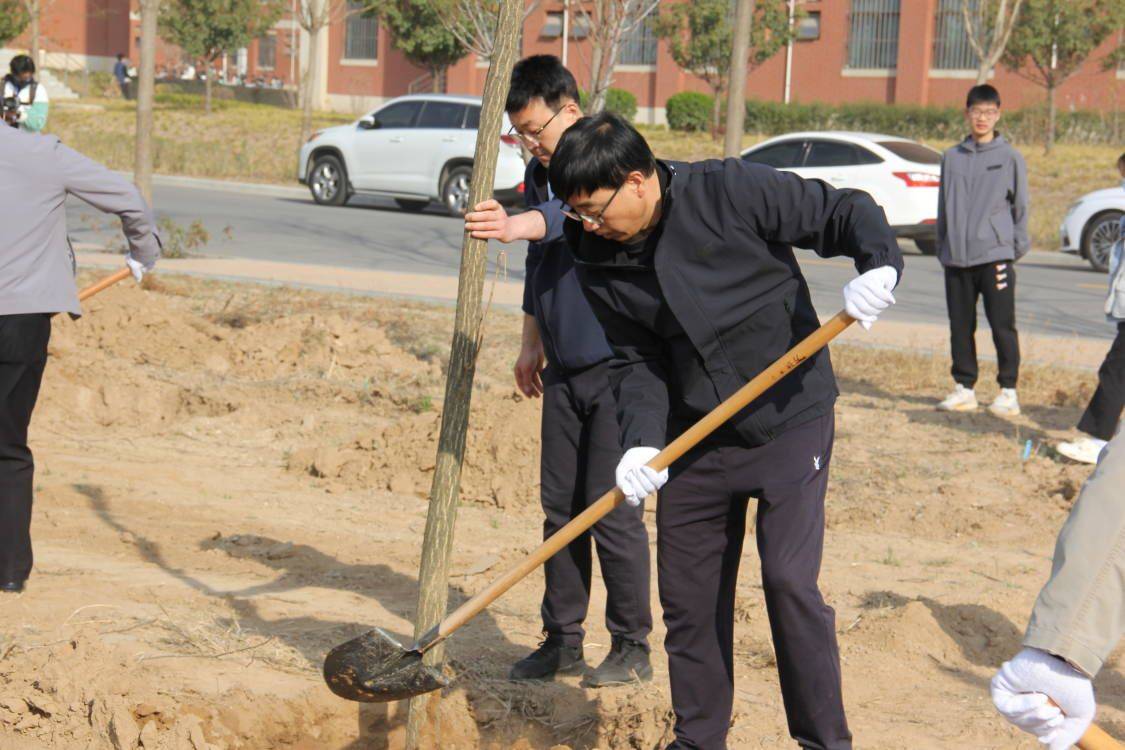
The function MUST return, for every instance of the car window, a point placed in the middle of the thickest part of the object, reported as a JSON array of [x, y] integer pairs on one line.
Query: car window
[[442, 115], [911, 151], [784, 155], [400, 115], [472, 118], [838, 154]]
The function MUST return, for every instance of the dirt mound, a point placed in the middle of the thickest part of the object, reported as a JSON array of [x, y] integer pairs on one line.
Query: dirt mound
[[501, 465]]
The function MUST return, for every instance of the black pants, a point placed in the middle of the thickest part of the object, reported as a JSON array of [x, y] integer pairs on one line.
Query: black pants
[[124, 86], [1104, 410], [996, 283], [23, 355], [581, 448], [701, 520]]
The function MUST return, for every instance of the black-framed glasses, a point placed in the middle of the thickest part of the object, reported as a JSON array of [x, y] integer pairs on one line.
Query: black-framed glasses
[[593, 221], [532, 139]]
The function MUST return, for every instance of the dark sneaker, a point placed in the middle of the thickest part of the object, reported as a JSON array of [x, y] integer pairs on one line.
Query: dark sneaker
[[551, 658], [627, 661], [11, 587]]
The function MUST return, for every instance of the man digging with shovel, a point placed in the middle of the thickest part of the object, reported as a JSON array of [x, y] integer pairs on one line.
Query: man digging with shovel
[[37, 282], [690, 269], [580, 438]]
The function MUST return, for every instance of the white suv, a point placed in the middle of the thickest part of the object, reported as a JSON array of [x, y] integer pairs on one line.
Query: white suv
[[415, 149], [901, 175]]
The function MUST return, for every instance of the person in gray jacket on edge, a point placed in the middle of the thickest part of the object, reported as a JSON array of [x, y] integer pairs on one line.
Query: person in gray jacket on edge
[[1046, 689], [981, 233], [37, 281]]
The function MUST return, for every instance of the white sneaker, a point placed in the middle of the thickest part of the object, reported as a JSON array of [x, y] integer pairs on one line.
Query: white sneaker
[[1006, 404], [962, 399], [1084, 450]]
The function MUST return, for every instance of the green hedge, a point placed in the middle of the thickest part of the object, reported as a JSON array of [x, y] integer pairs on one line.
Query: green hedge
[[618, 101], [690, 111]]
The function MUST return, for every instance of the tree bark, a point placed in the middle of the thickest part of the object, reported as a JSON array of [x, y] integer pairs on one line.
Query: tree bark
[[310, 80], [1049, 143], [209, 71], [433, 577], [34, 9], [736, 95], [716, 113], [146, 90]]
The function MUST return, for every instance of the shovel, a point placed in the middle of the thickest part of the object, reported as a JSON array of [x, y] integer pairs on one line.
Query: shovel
[[375, 668], [105, 283]]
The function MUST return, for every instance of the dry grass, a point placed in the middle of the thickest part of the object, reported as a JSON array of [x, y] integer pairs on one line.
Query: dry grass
[[258, 143]]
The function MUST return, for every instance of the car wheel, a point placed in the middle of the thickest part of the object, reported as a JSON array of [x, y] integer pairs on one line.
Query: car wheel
[[1098, 238], [926, 247], [328, 182], [412, 206], [455, 190]]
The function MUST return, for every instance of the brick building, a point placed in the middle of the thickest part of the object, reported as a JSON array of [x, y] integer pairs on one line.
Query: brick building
[[904, 51]]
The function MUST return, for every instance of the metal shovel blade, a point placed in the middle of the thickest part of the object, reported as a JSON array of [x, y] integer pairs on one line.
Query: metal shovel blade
[[375, 668]]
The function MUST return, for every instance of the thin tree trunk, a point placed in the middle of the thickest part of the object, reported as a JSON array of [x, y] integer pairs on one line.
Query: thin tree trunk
[[146, 90], [736, 95], [209, 72], [309, 83], [433, 577], [716, 113], [35, 8], [1050, 140], [982, 71]]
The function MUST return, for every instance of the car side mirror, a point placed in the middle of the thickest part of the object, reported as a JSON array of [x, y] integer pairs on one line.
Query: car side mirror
[[369, 123]]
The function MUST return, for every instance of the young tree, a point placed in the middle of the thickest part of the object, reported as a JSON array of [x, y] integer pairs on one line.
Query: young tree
[[146, 94], [314, 16], [700, 35], [988, 25], [34, 10], [607, 22], [13, 19], [208, 29], [473, 22], [418, 33], [1052, 39]]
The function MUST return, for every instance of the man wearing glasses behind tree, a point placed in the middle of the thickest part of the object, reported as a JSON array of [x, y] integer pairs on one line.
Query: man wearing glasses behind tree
[[580, 436], [981, 233]]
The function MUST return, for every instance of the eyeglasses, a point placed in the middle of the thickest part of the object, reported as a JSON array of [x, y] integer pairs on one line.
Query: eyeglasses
[[593, 221], [532, 139], [979, 113]]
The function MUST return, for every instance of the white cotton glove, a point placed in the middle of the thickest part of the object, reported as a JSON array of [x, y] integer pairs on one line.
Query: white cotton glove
[[869, 294], [1025, 686], [139, 269], [635, 479]]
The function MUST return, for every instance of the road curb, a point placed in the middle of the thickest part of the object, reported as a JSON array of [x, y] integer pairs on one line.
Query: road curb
[[227, 186]]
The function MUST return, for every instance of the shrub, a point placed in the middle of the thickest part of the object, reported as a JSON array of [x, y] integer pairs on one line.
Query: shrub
[[618, 101], [690, 111]]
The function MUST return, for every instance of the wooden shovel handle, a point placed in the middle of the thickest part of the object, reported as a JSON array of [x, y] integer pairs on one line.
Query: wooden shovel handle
[[610, 500], [105, 283], [1095, 738]]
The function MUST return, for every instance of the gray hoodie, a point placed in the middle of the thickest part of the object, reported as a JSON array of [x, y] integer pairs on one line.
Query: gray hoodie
[[982, 204]]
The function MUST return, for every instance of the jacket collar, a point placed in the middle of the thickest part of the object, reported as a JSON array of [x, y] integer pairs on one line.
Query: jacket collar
[[972, 146]]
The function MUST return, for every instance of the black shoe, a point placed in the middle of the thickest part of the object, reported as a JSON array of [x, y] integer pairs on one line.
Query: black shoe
[[628, 661], [551, 658], [11, 587]]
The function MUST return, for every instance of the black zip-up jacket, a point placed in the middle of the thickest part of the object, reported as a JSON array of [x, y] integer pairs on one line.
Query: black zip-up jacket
[[572, 337], [724, 263]]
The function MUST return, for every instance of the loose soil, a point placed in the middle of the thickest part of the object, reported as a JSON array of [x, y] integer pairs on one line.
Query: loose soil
[[231, 479]]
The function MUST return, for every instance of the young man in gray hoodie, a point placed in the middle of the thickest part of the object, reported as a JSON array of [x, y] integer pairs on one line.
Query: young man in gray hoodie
[[981, 233]]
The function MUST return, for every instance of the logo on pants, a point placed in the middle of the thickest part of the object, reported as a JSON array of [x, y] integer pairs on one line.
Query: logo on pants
[[816, 463]]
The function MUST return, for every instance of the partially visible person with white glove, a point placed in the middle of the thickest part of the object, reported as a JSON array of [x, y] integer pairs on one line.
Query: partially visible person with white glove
[[869, 294], [139, 268], [1046, 689], [637, 480]]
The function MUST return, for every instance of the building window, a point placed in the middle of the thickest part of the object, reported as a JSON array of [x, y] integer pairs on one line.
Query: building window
[[361, 34], [873, 41], [267, 51], [952, 50], [638, 45], [808, 27]]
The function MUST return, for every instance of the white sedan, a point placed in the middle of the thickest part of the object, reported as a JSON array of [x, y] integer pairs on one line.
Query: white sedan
[[1090, 225], [900, 174]]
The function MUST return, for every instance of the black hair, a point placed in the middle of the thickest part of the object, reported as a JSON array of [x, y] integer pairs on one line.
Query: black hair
[[982, 94], [120, 55], [1121, 160], [598, 152], [22, 64], [543, 77]]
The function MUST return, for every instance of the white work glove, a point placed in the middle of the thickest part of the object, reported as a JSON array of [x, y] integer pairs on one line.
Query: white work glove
[[635, 479], [1022, 691], [869, 294], [139, 269]]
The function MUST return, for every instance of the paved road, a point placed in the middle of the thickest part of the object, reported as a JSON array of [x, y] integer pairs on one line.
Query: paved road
[[1056, 294]]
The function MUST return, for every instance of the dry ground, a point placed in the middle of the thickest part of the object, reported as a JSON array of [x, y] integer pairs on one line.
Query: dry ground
[[232, 478]]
